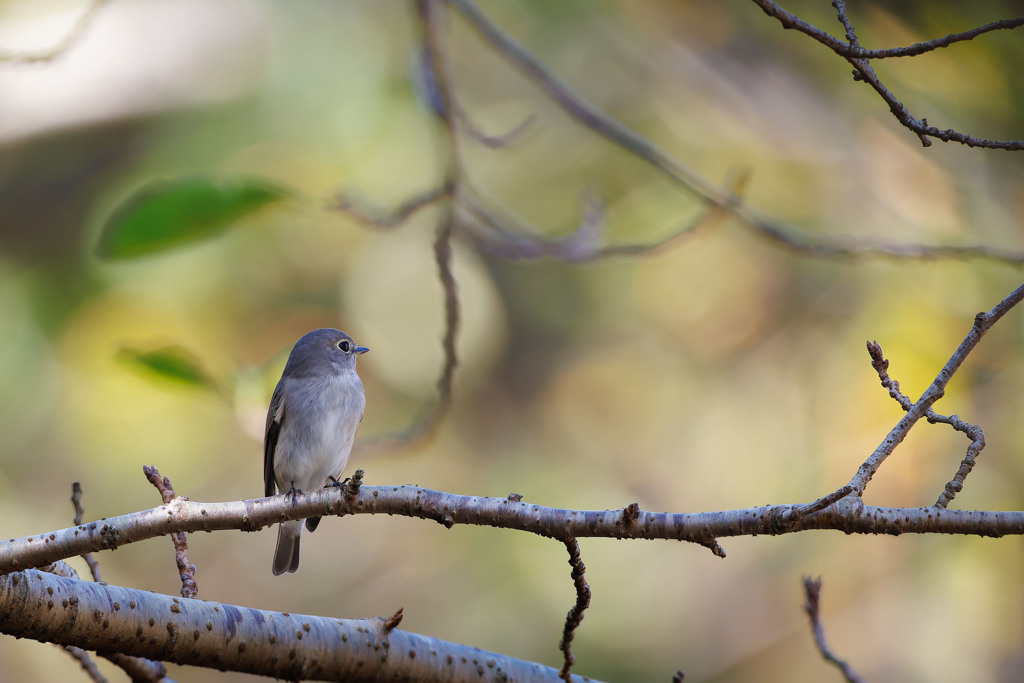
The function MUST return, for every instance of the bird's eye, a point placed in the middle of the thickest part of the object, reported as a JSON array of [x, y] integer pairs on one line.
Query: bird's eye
[[344, 345]]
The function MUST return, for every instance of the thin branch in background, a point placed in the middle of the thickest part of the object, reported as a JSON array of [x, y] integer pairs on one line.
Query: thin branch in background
[[422, 429], [575, 615], [499, 141], [437, 75], [857, 57], [390, 219], [436, 61], [186, 570], [812, 603], [983, 322], [443, 257], [85, 660], [63, 46], [972, 431], [76, 501], [789, 236], [848, 247]]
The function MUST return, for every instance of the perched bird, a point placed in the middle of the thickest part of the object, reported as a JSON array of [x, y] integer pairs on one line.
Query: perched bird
[[314, 413]]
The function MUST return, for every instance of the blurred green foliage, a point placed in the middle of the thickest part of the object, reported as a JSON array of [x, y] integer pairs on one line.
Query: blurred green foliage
[[723, 373], [167, 214]]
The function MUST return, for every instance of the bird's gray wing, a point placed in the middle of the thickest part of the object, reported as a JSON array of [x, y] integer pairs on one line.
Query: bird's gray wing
[[275, 416]]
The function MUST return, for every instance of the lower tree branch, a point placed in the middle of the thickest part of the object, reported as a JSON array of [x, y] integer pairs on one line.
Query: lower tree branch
[[62, 610]]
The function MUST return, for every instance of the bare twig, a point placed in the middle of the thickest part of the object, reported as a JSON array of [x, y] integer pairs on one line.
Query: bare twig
[[62, 47], [801, 511], [443, 257], [972, 431], [857, 57], [436, 64], [500, 140], [575, 615], [812, 601], [982, 323], [394, 620], [791, 21], [76, 501], [186, 570], [391, 219]]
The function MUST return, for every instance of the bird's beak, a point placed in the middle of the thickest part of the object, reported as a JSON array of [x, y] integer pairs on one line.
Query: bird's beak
[[361, 350]]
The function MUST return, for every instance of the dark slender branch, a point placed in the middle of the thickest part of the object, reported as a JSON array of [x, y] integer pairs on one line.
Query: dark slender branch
[[76, 501], [443, 257], [851, 36], [791, 21], [812, 602], [575, 615], [186, 570], [858, 58]]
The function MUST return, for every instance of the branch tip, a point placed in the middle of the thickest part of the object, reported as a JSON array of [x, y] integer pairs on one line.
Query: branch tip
[[394, 620]]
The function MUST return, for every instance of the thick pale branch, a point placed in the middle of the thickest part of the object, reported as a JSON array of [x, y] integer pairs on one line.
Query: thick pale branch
[[100, 617]]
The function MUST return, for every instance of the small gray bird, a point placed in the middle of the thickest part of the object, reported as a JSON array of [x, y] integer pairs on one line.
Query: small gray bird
[[312, 421]]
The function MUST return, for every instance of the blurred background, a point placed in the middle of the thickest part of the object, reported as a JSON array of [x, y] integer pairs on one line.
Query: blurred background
[[723, 373]]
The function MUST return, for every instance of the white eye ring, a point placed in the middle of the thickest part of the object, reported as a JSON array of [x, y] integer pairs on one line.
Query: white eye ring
[[344, 345]]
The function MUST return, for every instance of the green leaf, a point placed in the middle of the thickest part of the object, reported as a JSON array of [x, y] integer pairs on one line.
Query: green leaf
[[170, 362], [170, 213]]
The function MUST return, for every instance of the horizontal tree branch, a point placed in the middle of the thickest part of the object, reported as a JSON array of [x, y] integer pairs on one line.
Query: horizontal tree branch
[[848, 515], [66, 611]]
